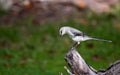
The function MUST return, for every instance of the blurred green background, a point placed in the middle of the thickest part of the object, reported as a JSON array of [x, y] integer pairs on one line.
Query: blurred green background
[[36, 49]]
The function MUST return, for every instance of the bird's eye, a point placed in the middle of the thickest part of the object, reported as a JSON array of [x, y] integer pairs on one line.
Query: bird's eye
[[60, 32]]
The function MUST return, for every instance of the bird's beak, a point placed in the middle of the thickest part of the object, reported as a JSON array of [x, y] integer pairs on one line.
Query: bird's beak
[[61, 35]]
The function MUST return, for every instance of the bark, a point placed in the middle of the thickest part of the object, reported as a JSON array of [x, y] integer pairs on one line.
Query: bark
[[80, 67], [77, 63]]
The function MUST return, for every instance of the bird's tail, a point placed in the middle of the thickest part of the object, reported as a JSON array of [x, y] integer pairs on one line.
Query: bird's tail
[[101, 39]]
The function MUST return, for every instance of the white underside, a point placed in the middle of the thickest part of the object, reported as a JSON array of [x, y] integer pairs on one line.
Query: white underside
[[80, 38]]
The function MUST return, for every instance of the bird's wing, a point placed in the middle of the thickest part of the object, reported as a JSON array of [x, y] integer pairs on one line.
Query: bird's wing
[[76, 32]]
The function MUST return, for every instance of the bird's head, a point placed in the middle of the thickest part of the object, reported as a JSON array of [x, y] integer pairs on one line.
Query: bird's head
[[62, 31]]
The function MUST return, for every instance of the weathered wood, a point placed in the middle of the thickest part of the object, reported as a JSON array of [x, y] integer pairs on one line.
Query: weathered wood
[[80, 67], [114, 69], [68, 71], [77, 63]]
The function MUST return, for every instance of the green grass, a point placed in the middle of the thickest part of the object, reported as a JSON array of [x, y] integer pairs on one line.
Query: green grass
[[28, 49]]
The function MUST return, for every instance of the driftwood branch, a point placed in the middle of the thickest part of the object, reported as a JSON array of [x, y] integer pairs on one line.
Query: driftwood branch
[[113, 69], [77, 63], [80, 67], [68, 71]]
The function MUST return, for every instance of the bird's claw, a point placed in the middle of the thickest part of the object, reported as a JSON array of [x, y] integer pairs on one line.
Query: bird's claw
[[76, 44]]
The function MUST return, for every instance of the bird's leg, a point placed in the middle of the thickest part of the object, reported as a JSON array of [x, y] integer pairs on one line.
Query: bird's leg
[[76, 44]]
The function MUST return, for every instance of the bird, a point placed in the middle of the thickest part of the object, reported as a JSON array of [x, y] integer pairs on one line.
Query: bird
[[77, 35]]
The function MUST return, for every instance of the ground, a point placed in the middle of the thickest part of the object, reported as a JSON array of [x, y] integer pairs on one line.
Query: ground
[[27, 48]]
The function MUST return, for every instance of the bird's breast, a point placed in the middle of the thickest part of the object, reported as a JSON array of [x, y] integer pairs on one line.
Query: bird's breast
[[78, 38]]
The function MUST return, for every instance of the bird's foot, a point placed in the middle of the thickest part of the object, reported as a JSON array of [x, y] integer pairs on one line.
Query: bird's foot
[[76, 45]]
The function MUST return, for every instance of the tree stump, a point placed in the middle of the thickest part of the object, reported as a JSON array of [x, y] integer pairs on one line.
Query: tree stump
[[80, 67]]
